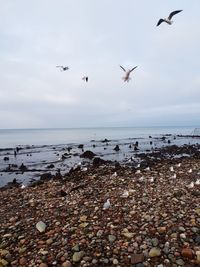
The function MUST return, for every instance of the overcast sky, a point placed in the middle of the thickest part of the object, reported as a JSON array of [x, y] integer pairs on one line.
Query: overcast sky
[[93, 38]]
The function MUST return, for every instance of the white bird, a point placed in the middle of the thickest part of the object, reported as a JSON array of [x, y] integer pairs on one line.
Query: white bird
[[114, 174], [62, 68], [125, 194], [191, 185], [169, 19], [127, 78], [151, 179], [178, 165], [23, 186], [107, 204], [171, 169], [190, 171], [174, 176], [197, 182], [84, 169]]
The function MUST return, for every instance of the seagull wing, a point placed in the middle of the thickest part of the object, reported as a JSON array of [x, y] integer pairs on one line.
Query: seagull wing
[[133, 68], [159, 22], [122, 68], [174, 13]]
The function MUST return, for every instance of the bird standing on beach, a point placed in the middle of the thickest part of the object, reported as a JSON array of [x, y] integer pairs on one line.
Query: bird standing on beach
[[107, 204], [62, 68], [169, 19], [85, 78], [127, 78]]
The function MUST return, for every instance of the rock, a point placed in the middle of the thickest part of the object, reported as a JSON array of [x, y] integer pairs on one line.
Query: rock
[[6, 158], [187, 253], [41, 226], [154, 252], [3, 263], [43, 265], [66, 264], [128, 235], [98, 161], [22, 261], [111, 238], [100, 233], [115, 262], [197, 240], [198, 256], [50, 166], [80, 146], [116, 148], [137, 258], [83, 218], [180, 262], [49, 241], [162, 230], [88, 155], [77, 256]]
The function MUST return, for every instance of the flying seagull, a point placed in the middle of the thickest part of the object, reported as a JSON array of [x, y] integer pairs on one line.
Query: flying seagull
[[168, 20], [62, 68], [85, 78], [127, 78]]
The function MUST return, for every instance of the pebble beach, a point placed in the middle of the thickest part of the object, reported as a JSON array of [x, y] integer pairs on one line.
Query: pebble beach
[[153, 218]]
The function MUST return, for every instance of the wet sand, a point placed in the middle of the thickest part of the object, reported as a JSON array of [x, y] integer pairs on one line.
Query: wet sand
[[153, 220]]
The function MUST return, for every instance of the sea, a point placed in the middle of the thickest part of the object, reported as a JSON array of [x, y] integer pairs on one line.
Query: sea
[[46, 150]]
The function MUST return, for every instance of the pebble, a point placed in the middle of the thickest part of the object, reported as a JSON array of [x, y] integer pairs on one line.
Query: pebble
[[154, 252], [41, 226], [77, 256]]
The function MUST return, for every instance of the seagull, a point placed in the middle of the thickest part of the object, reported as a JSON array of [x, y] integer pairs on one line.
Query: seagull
[[197, 182], [168, 20], [85, 78], [126, 78], [190, 171], [23, 186], [171, 169], [62, 68], [107, 204], [114, 174]]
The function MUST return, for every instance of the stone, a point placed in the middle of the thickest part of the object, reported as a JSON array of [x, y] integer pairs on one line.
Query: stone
[[111, 238], [162, 230], [41, 226], [187, 253], [22, 261], [3, 263], [115, 262], [128, 235], [154, 252], [137, 258], [43, 265], [180, 262], [66, 264], [77, 256]]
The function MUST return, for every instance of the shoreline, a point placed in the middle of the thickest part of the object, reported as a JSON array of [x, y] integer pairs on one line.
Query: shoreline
[[156, 222]]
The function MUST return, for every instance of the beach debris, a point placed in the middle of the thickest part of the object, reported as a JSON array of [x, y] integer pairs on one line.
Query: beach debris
[[178, 165], [190, 171], [151, 179], [147, 169], [63, 68], [107, 204], [169, 19], [138, 171], [127, 78], [41, 226], [141, 179], [154, 252], [197, 182]]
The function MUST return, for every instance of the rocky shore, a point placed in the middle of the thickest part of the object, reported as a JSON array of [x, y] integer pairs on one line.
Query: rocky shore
[[151, 216]]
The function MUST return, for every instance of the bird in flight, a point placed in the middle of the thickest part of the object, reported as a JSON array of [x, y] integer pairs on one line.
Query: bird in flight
[[85, 78], [62, 68], [169, 19], [127, 78]]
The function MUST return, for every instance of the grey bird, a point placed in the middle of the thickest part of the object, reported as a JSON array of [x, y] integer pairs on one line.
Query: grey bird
[[127, 78], [62, 68], [85, 78], [169, 19]]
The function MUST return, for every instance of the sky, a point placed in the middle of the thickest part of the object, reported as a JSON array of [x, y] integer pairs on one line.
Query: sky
[[93, 38]]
